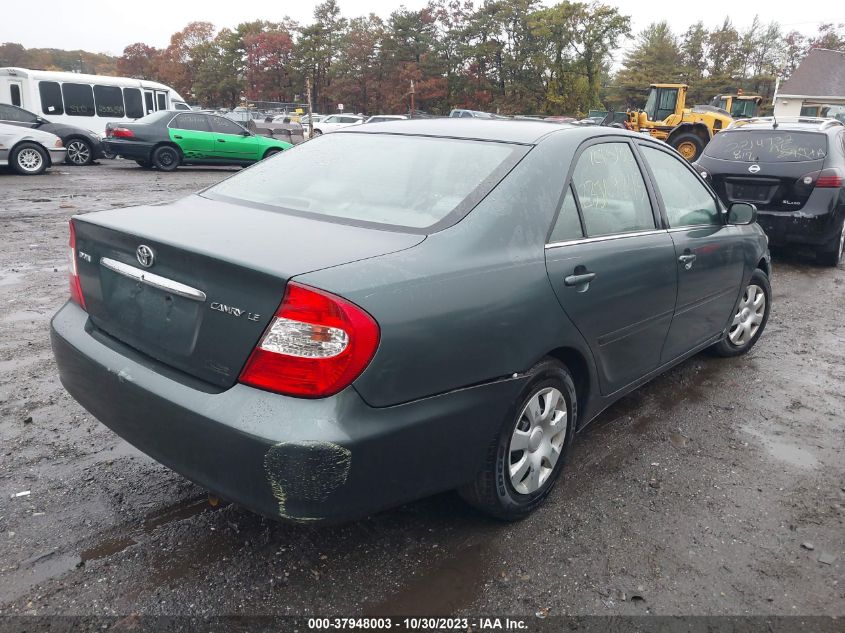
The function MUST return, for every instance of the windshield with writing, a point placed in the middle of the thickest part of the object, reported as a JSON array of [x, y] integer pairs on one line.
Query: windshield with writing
[[767, 146]]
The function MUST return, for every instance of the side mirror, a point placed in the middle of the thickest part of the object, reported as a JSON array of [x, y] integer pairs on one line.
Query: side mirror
[[742, 213]]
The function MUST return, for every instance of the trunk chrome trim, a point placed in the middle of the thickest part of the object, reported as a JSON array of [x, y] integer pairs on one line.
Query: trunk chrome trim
[[151, 279], [603, 238]]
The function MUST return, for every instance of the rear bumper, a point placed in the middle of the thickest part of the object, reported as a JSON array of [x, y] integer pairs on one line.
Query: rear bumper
[[800, 227], [57, 155], [128, 149], [287, 458]]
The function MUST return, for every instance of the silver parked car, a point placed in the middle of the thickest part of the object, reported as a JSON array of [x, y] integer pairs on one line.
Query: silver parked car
[[27, 151]]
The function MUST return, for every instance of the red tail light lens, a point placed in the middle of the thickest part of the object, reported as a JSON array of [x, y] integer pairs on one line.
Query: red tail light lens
[[75, 286], [826, 179], [120, 132], [315, 346]]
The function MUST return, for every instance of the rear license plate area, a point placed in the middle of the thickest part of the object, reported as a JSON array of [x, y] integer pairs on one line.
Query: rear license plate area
[[749, 193]]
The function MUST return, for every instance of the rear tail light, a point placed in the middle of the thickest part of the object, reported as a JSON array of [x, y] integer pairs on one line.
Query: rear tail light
[[75, 286], [120, 132], [315, 346], [826, 179]]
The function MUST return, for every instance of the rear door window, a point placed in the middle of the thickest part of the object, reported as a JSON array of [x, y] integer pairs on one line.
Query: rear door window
[[611, 190], [51, 97], [767, 146], [686, 200], [195, 122], [109, 101], [79, 99]]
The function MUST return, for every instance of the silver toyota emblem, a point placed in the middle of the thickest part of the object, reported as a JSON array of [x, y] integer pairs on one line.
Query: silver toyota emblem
[[754, 169], [145, 255]]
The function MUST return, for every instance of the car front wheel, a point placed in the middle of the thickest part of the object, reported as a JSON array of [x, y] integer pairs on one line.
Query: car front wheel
[[166, 158], [526, 457], [79, 152], [750, 317], [29, 159]]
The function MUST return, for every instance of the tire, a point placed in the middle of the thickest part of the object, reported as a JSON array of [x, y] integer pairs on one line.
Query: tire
[[29, 159], [144, 164], [495, 488], [688, 145], [270, 152], [741, 335], [166, 158], [833, 256], [79, 152], [316, 133]]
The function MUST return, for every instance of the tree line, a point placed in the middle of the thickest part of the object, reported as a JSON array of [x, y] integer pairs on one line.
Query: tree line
[[512, 57]]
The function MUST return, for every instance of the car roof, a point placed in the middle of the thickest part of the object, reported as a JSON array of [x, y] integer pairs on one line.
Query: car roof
[[527, 132], [794, 124]]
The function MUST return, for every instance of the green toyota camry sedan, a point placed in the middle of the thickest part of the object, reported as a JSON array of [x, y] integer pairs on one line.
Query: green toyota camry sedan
[[321, 336], [164, 140]]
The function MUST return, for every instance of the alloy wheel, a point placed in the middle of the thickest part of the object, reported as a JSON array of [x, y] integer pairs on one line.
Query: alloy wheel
[[30, 159], [537, 440], [78, 153], [749, 316]]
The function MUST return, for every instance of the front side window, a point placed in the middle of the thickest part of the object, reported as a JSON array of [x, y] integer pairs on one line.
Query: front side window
[[134, 105], [79, 99], [685, 199], [195, 122], [161, 100], [15, 92], [611, 191], [412, 182], [225, 126], [109, 101], [11, 113], [51, 97], [567, 226]]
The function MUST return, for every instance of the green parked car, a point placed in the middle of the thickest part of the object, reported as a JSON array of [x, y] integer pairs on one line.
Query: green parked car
[[166, 139]]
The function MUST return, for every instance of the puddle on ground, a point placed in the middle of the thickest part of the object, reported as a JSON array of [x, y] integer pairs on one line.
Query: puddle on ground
[[447, 587], [107, 548], [784, 451]]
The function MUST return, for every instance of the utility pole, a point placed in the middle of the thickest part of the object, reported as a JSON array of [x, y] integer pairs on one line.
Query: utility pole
[[411, 114], [310, 111]]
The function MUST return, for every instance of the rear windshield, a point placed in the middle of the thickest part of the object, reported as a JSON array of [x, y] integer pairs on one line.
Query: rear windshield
[[767, 146], [409, 182]]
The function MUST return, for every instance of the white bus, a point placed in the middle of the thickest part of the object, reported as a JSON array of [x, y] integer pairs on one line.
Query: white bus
[[89, 101]]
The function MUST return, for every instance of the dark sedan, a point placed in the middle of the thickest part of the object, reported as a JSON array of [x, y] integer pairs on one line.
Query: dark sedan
[[405, 308], [83, 146], [793, 170]]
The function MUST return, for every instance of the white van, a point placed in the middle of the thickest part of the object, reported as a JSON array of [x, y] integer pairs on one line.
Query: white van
[[88, 101]]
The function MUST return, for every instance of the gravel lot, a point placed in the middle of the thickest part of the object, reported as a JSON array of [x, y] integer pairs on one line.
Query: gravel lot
[[719, 488]]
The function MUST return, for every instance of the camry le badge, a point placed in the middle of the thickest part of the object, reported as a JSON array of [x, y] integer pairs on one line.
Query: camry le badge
[[146, 256], [754, 169]]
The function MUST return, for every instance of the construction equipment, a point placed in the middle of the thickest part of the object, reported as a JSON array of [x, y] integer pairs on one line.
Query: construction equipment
[[739, 105], [666, 117]]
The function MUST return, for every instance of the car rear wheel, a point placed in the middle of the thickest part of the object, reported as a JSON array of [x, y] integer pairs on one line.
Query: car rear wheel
[[688, 145], [526, 457], [833, 256], [166, 158], [29, 159], [750, 317], [79, 152], [316, 133]]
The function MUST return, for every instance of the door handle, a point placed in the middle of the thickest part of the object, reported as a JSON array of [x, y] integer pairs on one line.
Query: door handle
[[687, 259], [221, 140], [177, 136], [579, 279]]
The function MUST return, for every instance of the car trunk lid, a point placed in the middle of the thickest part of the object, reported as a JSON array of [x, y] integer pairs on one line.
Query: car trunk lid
[[195, 283]]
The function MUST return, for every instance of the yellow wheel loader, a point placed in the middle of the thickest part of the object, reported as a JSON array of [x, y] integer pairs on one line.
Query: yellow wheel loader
[[739, 105], [665, 117]]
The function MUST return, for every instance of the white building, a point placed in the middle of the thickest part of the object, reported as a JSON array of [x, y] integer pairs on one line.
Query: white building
[[816, 88]]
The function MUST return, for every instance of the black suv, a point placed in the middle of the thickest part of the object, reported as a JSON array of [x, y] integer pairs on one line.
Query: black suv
[[793, 170], [83, 146]]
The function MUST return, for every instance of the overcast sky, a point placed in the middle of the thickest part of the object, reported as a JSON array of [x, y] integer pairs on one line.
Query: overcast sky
[[106, 26]]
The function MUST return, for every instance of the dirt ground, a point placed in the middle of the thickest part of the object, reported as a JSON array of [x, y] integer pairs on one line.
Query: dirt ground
[[719, 488]]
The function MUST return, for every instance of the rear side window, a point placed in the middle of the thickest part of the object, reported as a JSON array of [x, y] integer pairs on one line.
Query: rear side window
[[611, 190], [567, 226], [195, 122], [51, 97], [9, 113], [134, 106], [767, 146], [686, 200], [79, 99], [109, 101], [407, 182]]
